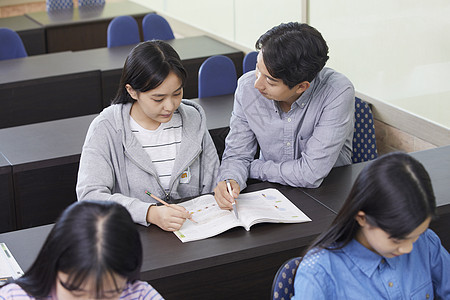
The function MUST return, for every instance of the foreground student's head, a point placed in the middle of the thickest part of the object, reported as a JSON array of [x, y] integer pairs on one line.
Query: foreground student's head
[[391, 203], [93, 250]]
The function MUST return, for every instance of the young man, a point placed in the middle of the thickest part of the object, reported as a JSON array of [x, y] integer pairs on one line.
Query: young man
[[300, 113]]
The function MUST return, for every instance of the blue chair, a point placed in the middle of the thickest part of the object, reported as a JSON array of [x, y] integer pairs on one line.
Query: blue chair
[[249, 62], [155, 27], [283, 283], [58, 5], [122, 30], [11, 45], [364, 143], [216, 76]]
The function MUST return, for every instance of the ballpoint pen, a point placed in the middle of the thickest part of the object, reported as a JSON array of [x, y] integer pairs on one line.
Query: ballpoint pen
[[234, 200]]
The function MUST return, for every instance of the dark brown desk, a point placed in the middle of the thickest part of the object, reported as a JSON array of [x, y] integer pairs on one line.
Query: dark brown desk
[[335, 188], [31, 33], [218, 113], [192, 50], [233, 265], [7, 213], [84, 28], [47, 87], [44, 160]]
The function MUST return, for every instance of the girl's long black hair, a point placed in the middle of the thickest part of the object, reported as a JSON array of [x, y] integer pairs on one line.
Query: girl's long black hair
[[90, 240], [146, 67], [396, 195]]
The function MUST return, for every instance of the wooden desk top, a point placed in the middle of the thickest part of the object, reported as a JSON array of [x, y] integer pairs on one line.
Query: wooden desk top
[[19, 23], [87, 14], [41, 66], [109, 59], [166, 255], [217, 110], [44, 141], [337, 185]]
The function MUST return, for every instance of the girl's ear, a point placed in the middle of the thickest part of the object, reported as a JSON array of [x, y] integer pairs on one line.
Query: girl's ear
[[361, 218], [131, 91]]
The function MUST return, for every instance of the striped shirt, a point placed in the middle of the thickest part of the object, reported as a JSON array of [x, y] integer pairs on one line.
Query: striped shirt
[[162, 145], [139, 290]]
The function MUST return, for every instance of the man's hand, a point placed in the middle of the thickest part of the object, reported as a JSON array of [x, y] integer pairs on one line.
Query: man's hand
[[223, 197]]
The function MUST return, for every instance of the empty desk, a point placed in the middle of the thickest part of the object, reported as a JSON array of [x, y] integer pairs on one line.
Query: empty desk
[[218, 113], [84, 28], [192, 50], [236, 264], [44, 159], [31, 33], [47, 87], [7, 213]]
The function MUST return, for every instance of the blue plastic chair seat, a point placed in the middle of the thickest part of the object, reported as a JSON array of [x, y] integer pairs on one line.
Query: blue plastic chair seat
[[364, 143], [283, 282], [217, 76], [11, 45]]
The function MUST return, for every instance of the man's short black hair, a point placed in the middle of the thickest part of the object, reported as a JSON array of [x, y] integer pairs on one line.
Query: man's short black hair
[[293, 52]]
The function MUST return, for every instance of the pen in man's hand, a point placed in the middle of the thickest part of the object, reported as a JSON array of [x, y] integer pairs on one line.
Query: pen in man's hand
[[230, 191]]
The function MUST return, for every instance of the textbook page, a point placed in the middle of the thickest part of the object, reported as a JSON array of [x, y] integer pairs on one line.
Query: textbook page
[[268, 205], [9, 268]]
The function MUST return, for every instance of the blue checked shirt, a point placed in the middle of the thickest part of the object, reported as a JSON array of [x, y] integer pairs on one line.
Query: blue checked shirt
[[298, 148], [355, 272]]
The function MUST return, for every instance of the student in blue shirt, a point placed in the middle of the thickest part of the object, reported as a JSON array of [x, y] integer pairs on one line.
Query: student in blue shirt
[[379, 246]]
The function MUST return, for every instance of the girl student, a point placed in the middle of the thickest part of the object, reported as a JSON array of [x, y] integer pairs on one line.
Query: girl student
[[379, 246], [149, 140], [93, 251]]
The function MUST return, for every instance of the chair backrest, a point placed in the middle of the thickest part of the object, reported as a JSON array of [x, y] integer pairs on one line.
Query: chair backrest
[[58, 5], [11, 45], [364, 143], [91, 3], [155, 27], [249, 62], [122, 30], [283, 282], [216, 76]]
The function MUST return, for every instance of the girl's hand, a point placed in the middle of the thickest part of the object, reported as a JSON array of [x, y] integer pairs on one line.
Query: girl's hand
[[169, 218]]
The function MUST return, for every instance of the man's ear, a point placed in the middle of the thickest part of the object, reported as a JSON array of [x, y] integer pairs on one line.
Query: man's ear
[[132, 92], [302, 86], [361, 218]]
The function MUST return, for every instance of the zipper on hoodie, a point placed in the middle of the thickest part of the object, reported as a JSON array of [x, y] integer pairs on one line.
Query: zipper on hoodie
[[184, 168], [167, 196]]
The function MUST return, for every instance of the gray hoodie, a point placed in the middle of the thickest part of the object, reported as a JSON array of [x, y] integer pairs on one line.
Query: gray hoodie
[[114, 167]]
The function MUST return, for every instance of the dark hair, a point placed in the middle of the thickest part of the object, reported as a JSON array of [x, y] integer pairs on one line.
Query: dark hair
[[90, 239], [396, 195], [146, 67], [293, 52]]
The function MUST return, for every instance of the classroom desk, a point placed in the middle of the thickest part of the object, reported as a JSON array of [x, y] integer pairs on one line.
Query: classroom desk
[[47, 87], [218, 113], [7, 213], [44, 158], [84, 28], [337, 185], [192, 50], [236, 264], [31, 33]]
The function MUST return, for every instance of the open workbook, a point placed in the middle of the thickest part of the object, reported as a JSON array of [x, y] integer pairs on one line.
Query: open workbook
[[9, 268], [264, 206]]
